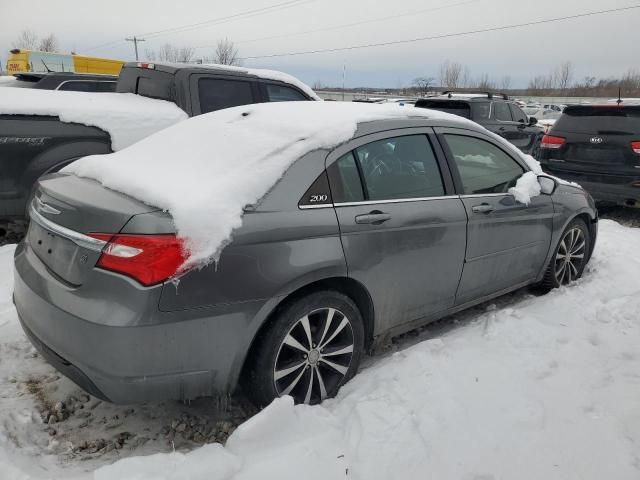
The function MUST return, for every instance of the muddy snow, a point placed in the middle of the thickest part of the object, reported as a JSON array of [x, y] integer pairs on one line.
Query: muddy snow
[[526, 387]]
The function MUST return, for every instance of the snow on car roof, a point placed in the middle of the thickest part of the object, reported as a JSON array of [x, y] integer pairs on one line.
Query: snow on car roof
[[125, 116], [205, 170]]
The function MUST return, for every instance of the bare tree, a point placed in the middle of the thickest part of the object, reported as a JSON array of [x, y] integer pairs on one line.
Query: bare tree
[[451, 74], [171, 53], [505, 82], [423, 84], [485, 83], [226, 53], [26, 40], [48, 43], [563, 75]]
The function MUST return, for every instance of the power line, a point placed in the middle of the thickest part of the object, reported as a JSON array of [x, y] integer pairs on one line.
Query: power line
[[348, 25], [446, 35], [213, 21], [217, 21]]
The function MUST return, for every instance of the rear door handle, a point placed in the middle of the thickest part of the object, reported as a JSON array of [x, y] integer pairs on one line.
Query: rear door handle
[[482, 208], [375, 218]]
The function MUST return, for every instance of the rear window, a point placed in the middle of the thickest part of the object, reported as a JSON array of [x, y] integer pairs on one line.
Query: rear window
[[461, 109], [600, 120]]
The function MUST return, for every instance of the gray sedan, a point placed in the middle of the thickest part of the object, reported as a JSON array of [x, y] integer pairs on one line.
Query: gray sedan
[[408, 221]]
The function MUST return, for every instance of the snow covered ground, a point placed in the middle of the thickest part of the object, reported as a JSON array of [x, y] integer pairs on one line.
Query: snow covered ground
[[527, 387]]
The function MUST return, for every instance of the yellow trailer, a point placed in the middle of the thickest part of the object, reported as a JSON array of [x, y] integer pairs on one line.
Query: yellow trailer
[[23, 61]]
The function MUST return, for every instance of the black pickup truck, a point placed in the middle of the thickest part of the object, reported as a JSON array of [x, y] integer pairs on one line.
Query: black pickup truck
[[32, 145]]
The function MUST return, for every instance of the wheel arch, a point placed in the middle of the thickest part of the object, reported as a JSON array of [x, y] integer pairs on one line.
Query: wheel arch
[[353, 289]]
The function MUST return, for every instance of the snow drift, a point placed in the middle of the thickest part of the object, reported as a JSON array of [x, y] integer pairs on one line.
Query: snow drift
[[206, 170], [527, 387], [125, 116]]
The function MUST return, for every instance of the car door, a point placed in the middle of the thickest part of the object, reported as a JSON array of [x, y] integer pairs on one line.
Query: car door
[[402, 226], [507, 241], [529, 133], [505, 125]]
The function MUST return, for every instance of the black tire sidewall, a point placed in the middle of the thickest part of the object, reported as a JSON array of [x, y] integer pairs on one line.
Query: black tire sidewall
[[259, 385]]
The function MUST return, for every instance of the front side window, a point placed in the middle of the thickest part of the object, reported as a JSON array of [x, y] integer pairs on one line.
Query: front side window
[[216, 94], [279, 93], [518, 114], [483, 167], [502, 112], [399, 167]]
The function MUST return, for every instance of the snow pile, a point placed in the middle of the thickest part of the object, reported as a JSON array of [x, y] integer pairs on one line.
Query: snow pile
[[7, 80], [526, 188], [528, 388], [125, 116], [206, 170], [268, 75]]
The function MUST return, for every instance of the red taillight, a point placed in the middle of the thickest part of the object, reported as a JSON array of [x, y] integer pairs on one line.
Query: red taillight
[[149, 66], [551, 142], [149, 259], [635, 146]]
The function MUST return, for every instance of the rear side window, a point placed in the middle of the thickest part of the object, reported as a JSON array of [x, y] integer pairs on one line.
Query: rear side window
[[399, 167], [481, 110], [600, 120], [78, 86], [278, 93], [518, 114], [461, 109], [502, 112], [345, 180], [105, 86], [216, 94], [483, 167]]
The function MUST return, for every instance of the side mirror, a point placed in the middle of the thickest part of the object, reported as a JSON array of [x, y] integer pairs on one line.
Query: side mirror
[[533, 120], [547, 185]]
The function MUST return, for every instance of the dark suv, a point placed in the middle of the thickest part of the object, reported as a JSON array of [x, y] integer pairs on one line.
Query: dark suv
[[495, 112], [597, 146]]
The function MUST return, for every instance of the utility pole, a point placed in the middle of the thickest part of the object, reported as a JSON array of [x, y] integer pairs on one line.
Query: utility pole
[[135, 41], [344, 76]]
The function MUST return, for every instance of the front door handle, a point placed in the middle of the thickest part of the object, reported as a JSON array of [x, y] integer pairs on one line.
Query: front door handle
[[376, 218], [482, 208]]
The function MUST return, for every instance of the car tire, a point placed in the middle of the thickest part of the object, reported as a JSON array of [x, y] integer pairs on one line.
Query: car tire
[[312, 347], [570, 256]]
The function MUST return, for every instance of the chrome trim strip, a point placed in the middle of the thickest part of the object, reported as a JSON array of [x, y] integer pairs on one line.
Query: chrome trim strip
[[395, 200], [480, 195], [321, 205], [79, 239]]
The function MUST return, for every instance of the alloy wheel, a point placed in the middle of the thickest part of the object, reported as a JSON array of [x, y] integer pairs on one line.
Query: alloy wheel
[[314, 356], [570, 256]]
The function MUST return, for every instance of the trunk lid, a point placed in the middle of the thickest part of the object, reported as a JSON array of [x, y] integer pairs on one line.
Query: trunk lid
[[64, 210]]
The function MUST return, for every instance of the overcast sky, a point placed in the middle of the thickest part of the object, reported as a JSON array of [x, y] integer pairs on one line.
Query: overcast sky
[[604, 45]]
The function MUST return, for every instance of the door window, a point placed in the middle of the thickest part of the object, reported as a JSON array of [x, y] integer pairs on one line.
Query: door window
[[399, 167], [278, 93], [216, 94], [518, 114], [483, 167], [502, 111], [345, 180]]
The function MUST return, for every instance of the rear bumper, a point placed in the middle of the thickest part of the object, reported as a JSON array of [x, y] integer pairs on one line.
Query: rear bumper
[[180, 355], [615, 189]]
